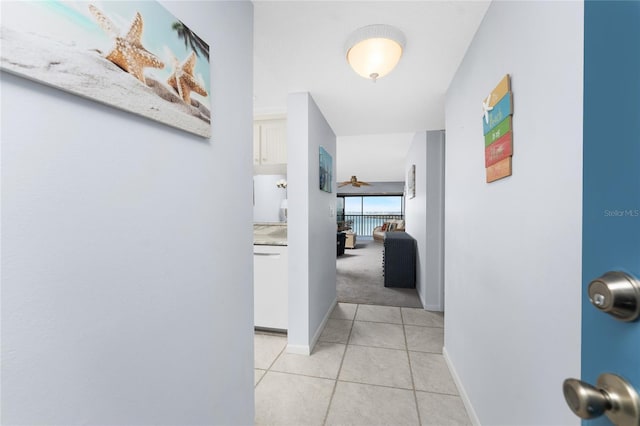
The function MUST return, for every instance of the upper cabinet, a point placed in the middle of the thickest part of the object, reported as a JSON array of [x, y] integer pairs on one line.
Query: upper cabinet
[[270, 142]]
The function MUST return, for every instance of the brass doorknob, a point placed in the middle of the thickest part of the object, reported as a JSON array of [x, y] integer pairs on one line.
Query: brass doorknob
[[612, 396]]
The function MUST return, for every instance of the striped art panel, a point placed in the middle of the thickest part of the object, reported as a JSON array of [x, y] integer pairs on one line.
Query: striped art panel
[[499, 150], [500, 111], [499, 170], [499, 91], [497, 122], [497, 132]]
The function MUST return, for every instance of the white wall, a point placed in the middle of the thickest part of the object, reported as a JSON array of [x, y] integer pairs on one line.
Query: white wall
[[415, 213], [513, 247], [378, 158], [126, 288], [311, 225], [267, 198], [424, 215]]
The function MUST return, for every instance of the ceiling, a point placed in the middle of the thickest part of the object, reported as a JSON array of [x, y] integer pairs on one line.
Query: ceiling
[[299, 47]]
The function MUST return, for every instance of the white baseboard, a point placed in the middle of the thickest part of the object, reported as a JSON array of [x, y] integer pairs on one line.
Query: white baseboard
[[463, 394], [306, 350], [299, 349], [433, 308], [320, 329]]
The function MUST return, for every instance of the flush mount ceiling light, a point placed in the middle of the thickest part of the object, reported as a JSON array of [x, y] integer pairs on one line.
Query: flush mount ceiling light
[[374, 51]]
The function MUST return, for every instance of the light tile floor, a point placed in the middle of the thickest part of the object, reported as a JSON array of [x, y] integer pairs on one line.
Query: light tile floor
[[373, 365]]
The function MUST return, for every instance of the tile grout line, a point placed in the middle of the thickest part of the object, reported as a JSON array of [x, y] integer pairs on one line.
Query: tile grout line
[[439, 393], [335, 383], [413, 384], [259, 380], [380, 322], [289, 373], [378, 347], [426, 352], [266, 370], [272, 363], [377, 385], [425, 326], [400, 323]]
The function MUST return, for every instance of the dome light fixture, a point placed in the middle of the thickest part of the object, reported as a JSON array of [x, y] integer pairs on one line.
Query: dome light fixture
[[374, 51]]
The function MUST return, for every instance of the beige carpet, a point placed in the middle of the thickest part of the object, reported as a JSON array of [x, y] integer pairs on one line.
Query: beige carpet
[[360, 279]]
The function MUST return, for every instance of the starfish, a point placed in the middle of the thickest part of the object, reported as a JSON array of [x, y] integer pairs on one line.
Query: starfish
[[182, 79], [128, 53], [486, 108]]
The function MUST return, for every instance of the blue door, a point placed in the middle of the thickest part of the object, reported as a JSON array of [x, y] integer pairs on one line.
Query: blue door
[[611, 181]]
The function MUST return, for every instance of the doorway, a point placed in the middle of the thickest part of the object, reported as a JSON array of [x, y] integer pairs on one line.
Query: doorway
[[359, 272]]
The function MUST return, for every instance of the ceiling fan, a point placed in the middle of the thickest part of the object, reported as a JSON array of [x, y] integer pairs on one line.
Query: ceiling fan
[[354, 182]]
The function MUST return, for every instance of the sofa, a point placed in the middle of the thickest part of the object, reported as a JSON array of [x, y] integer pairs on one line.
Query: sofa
[[392, 225]]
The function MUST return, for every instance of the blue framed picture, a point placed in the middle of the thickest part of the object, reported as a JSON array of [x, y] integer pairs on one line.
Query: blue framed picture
[[326, 170]]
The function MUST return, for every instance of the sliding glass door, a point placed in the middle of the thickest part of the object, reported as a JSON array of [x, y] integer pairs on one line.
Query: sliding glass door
[[368, 211]]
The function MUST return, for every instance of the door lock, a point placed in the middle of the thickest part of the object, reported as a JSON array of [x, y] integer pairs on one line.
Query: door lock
[[612, 395], [617, 294]]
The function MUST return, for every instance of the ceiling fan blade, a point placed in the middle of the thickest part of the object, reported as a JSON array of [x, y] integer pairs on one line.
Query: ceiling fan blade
[[356, 184], [341, 184], [364, 183]]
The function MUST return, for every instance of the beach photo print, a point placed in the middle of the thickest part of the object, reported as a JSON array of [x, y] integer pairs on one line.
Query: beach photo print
[[133, 55]]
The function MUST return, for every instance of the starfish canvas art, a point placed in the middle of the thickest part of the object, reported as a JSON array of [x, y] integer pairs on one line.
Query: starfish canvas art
[[123, 54], [183, 81], [128, 53]]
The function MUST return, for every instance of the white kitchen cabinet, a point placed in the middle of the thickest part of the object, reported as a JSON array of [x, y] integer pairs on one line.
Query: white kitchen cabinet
[[270, 286], [270, 142]]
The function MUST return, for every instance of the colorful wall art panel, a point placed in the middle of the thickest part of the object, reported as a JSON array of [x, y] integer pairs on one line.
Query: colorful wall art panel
[[499, 170], [326, 170], [133, 55], [498, 150], [497, 115]]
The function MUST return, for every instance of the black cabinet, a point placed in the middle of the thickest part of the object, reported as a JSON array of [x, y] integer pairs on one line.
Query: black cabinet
[[399, 260], [340, 243]]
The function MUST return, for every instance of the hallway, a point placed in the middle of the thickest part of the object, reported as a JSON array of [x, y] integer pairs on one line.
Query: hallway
[[373, 365]]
